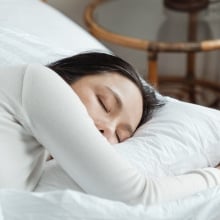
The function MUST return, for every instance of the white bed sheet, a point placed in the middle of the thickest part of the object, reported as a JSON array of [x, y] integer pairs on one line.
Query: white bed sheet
[[67, 204]]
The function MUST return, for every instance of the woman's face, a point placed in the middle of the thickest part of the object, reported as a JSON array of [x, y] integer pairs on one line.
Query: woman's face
[[113, 102]]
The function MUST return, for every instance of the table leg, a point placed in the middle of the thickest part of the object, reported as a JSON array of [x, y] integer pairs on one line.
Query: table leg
[[191, 57], [152, 69]]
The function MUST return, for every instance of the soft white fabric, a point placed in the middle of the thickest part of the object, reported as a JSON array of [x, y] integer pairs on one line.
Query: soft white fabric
[[55, 178], [180, 137], [20, 47], [33, 32], [35, 18], [48, 113], [21, 156], [67, 204]]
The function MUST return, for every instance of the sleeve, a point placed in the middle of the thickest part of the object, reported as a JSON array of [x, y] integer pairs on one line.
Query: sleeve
[[59, 121]]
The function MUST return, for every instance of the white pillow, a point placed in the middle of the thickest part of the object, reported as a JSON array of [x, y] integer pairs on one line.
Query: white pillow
[[180, 137], [19, 47]]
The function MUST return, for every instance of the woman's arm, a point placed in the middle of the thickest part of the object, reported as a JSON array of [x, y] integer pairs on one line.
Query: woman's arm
[[60, 122]]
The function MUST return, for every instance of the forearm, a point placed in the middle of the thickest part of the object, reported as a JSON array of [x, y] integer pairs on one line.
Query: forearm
[[177, 187]]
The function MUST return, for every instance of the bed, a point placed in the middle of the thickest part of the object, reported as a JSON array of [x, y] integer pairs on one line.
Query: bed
[[180, 137]]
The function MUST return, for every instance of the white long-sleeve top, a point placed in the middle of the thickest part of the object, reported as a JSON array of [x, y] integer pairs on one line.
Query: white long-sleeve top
[[39, 112]]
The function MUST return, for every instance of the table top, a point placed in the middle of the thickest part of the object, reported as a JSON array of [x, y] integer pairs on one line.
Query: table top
[[150, 20]]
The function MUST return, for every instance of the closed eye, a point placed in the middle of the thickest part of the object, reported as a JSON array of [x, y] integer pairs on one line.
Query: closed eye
[[102, 104], [118, 138]]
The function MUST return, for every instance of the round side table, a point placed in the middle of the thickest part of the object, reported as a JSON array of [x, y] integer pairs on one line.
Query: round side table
[[100, 13]]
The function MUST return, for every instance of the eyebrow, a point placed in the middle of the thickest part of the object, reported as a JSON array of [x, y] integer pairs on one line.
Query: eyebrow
[[119, 104], [116, 96]]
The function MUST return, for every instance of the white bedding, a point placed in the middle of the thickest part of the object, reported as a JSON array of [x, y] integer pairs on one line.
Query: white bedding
[[67, 204], [30, 31], [39, 20]]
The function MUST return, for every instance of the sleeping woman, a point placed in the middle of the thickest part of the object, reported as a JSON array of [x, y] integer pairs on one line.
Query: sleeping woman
[[76, 109]]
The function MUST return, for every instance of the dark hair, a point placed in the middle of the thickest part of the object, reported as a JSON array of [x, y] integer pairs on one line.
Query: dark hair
[[73, 68]]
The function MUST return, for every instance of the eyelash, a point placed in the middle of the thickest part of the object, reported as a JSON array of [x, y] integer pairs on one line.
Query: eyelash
[[102, 104], [118, 139]]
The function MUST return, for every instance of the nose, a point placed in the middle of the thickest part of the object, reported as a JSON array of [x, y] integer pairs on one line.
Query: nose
[[108, 131]]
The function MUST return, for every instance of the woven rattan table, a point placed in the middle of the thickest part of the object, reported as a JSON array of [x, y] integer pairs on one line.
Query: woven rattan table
[[99, 9]]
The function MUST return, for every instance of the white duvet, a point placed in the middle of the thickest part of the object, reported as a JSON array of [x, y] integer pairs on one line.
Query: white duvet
[[67, 204]]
